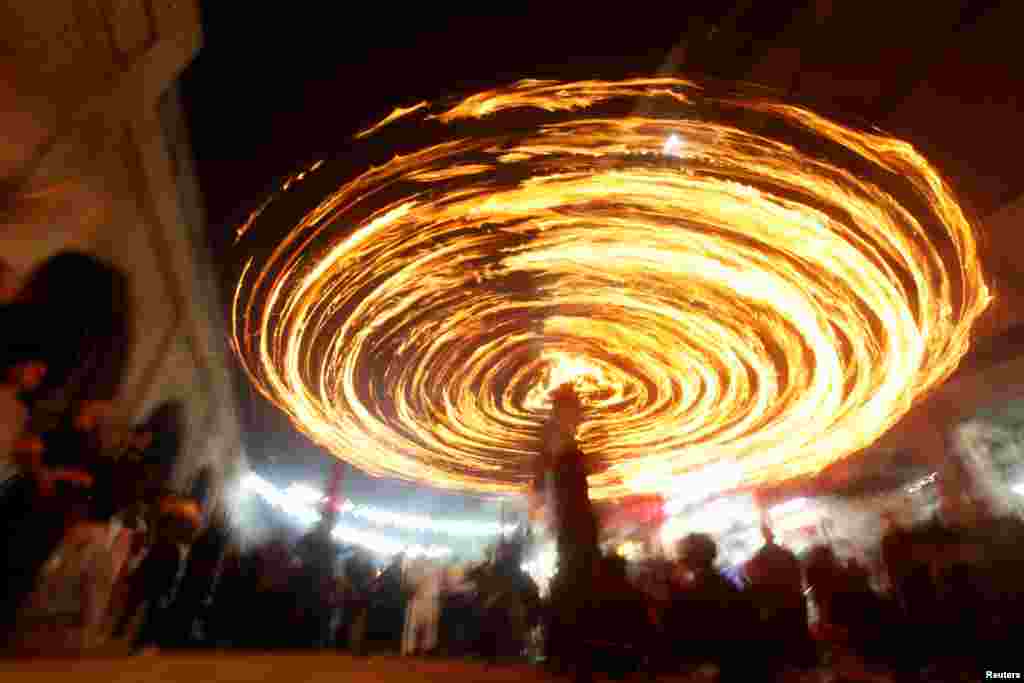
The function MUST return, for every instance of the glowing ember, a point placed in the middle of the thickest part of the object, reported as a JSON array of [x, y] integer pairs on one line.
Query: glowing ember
[[774, 300]]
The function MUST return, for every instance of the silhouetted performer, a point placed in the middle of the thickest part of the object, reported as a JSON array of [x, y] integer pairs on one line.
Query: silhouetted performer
[[562, 478]]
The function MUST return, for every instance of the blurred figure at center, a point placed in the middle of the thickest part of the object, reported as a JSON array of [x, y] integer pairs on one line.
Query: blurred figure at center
[[562, 479]]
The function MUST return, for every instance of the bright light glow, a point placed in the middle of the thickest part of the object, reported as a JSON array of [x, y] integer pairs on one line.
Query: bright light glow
[[798, 519], [671, 531], [781, 300], [307, 495], [630, 550], [1019, 489], [789, 507], [673, 146], [276, 498], [714, 517], [307, 516], [691, 489], [543, 566], [385, 545], [586, 375]]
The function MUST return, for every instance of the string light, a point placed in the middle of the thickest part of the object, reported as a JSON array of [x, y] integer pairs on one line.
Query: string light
[[773, 302]]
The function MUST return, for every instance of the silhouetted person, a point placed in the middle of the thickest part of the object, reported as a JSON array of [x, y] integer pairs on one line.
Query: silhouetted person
[[387, 608], [161, 441], [190, 610], [776, 588], [510, 604], [40, 515], [359, 576], [627, 635], [709, 620], [314, 581], [562, 477], [156, 581]]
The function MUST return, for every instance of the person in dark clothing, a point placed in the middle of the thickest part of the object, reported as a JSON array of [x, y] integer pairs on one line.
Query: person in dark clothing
[[709, 620], [188, 614], [510, 604], [233, 593], [159, 439], [155, 583], [274, 573], [359, 576], [387, 609], [562, 478], [34, 524], [313, 582], [776, 589], [625, 641], [459, 629]]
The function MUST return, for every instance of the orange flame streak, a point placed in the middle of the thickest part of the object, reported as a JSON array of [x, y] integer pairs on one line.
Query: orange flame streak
[[398, 113], [750, 302]]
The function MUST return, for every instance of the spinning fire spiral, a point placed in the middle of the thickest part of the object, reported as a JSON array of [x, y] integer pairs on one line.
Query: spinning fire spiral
[[733, 282]]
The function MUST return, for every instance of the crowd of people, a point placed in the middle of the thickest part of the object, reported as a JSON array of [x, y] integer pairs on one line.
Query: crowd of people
[[98, 549], [83, 504]]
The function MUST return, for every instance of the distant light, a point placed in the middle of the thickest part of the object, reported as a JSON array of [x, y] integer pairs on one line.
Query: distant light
[[250, 482], [629, 550], [289, 502], [1019, 489], [699, 486], [673, 146], [306, 494], [543, 565]]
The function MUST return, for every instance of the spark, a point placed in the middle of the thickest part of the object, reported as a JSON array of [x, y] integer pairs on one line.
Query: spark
[[774, 304], [398, 113]]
